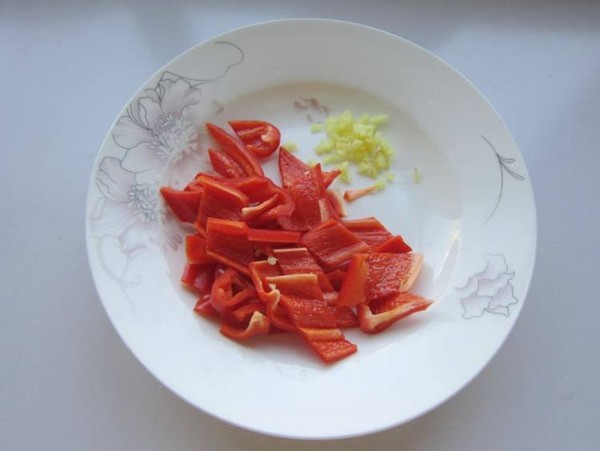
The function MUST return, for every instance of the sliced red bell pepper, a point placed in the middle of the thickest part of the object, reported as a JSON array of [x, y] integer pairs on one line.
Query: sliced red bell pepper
[[344, 316], [308, 194], [352, 292], [301, 285], [227, 242], [333, 244], [370, 230], [261, 138], [335, 204], [198, 277], [395, 245], [273, 236], [255, 211], [243, 314], [224, 165], [292, 168], [332, 351], [195, 250], [184, 204], [278, 315], [391, 274], [330, 176], [308, 312], [229, 291], [205, 308], [336, 278], [318, 334], [260, 191], [259, 271], [382, 313], [220, 201], [298, 260], [258, 325], [234, 148]]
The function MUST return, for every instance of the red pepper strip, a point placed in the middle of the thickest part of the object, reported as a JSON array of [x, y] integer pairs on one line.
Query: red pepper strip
[[384, 312], [330, 297], [184, 204], [391, 274], [205, 308], [261, 189], [224, 165], [292, 168], [332, 351], [370, 230], [305, 286], [352, 292], [330, 176], [228, 291], [258, 325], [195, 250], [353, 194], [333, 244], [260, 137], [250, 213], [336, 278], [344, 316], [194, 185], [298, 260], [273, 236], [259, 271], [317, 334], [220, 201], [242, 314], [306, 192], [234, 148], [277, 314], [394, 245], [198, 277], [335, 204], [308, 312], [227, 242]]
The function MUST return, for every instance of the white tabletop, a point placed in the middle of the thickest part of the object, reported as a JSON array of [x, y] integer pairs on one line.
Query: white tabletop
[[67, 381]]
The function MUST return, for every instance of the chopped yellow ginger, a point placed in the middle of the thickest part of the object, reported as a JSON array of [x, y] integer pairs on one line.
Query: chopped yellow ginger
[[417, 175], [355, 141]]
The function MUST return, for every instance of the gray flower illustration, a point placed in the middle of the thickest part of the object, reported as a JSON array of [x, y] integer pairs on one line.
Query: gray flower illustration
[[489, 290]]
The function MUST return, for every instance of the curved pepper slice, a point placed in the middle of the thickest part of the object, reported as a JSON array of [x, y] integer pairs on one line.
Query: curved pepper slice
[[184, 204], [258, 325], [260, 137], [381, 314], [229, 291], [234, 148], [224, 165]]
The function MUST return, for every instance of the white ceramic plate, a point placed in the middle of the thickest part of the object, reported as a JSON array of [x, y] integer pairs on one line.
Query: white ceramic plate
[[472, 215]]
